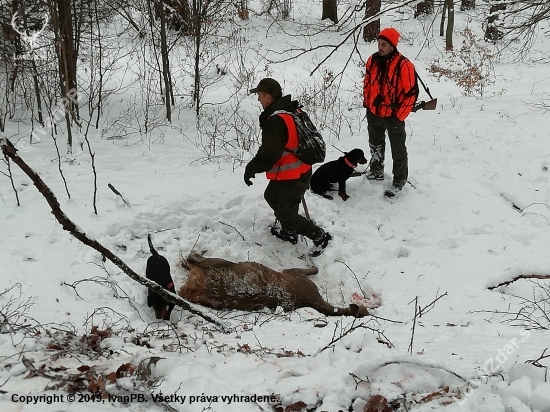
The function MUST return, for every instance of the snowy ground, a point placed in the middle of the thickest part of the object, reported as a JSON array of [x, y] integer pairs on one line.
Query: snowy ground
[[476, 213]]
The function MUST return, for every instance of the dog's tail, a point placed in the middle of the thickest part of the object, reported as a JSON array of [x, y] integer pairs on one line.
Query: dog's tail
[[151, 247]]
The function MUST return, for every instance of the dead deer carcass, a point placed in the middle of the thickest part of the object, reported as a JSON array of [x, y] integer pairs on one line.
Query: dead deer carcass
[[221, 284]]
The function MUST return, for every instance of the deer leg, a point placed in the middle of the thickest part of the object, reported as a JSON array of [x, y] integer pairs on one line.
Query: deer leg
[[329, 310], [315, 301], [308, 295], [195, 259]]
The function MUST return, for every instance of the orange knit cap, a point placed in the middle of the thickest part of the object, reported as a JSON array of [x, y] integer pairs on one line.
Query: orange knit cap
[[390, 35]]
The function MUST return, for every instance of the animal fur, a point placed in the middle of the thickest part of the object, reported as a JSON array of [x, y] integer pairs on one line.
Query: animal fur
[[337, 171], [158, 270], [221, 284]]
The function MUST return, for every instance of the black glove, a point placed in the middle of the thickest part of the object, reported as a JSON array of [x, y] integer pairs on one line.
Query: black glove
[[247, 177]]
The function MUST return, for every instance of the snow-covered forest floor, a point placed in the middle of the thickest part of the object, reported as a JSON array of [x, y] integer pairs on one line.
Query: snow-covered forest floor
[[476, 213]]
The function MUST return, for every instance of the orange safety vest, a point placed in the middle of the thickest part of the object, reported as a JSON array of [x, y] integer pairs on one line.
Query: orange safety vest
[[288, 167], [392, 92]]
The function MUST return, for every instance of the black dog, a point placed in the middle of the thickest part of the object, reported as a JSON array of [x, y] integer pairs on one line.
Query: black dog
[[158, 270], [337, 171]]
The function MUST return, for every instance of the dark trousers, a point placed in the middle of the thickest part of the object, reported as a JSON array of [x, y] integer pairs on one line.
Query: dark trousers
[[377, 127], [284, 197]]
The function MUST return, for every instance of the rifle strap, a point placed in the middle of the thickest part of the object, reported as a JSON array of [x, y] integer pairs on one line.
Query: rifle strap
[[423, 85]]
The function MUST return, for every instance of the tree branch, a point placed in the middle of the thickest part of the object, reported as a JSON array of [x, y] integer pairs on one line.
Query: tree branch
[[518, 277]]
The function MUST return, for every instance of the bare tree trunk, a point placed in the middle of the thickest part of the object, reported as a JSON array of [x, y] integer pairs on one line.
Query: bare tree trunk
[[372, 29], [67, 56], [330, 10], [467, 5], [197, 83], [242, 9], [100, 63], [424, 7], [197, 32], [450, 25], [168, 94], [13, 39], [442, 24], [492, 33], [34, 71]]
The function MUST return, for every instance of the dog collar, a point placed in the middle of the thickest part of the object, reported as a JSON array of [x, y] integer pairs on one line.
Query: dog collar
[[349, 163]]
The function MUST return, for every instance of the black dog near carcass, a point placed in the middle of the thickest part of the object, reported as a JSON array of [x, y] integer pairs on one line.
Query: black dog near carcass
[[337, 171], [158, 270]]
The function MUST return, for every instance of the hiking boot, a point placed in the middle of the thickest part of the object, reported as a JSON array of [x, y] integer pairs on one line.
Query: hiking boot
[[320, 243], [286, 235], [375, 175], [393, 191]]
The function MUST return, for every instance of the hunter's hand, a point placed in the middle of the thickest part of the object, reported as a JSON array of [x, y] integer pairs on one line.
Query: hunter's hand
[[247, 177]]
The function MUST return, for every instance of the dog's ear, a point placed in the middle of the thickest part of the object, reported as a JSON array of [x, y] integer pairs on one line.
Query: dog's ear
[[354, 154], [359, 156]]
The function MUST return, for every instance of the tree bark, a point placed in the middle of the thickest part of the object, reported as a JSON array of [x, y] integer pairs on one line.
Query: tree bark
[[330, 10], [467, 5], [423, 8], [442, 24], [60, 11], [492, 33], [197, 25], [34, 71], [168, 94], [372, 29], [450, 25]]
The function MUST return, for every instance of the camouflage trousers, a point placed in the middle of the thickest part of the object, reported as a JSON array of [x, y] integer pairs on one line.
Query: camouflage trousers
[[377, 127], [284, 197]]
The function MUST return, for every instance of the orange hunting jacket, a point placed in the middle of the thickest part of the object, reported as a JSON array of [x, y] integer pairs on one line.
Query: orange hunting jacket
[[389, 86], [288, 167]]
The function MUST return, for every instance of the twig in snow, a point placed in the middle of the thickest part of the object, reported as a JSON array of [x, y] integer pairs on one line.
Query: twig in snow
[[536, 362], [7, 161], [351, 329], [536, 214], [535, 203], [430, 306], [416, 309], [94, 171], [384, 319], [518, 277], [534, 312], [59, 164], [353, 275], [116, 192], [358, 380], [226, 224], [419, 311]]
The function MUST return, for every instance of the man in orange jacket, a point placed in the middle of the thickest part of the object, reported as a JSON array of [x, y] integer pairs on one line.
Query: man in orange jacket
[[390, 91], [288, 176]]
